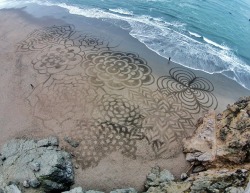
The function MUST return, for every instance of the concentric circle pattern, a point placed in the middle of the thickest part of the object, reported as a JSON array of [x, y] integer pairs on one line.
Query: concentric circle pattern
[[117, 70], [194, 92]]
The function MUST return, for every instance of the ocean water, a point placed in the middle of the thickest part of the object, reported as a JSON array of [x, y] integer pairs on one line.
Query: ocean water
[[209, 35]]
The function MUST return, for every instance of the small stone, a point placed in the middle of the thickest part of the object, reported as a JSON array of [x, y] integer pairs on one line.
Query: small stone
[[166, 176], [72, 142], [93, 191], [75, 190], [76, 166], [34, 183], [199, 168], [129, 190], [35, 166], [184, 176], [26, 184]]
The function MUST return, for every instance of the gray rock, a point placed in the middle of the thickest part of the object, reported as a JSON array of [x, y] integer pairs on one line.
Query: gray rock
[[75, 190], [93, 191], [153, 177], [129, 190], [157, 178], [234, 190], [26, 184], [247, 188], [12, 189], [184, 176], [51, 186], [34, 183], [199, 185], [50, 141], [35, 166], [40, 160], [166, 176], [170, 187], [198, 169]]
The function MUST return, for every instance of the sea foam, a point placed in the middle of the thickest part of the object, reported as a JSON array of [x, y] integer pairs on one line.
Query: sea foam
[[121, 11], [215, 44], [194, 34], [161, 37]]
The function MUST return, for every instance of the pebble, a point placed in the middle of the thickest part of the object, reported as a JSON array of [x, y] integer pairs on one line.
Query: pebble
[[35, 166], [184, 176], [72, 142], [26, 184], [34, 183], [76, 167], [199, 168]]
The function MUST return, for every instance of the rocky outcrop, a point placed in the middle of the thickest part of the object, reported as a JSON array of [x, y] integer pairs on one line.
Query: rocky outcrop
[[201, 147], [222, 140], [40, 165], [163, 181], [221, 145], [156, 177], [233, 133], [222, 181]]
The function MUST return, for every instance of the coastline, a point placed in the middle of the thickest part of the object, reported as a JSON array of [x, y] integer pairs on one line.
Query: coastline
[[17, 77]]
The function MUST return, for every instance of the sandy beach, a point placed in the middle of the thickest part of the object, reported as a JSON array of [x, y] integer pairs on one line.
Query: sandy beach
[[89, 81]]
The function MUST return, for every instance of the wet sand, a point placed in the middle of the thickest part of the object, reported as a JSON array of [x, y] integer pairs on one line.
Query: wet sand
[[89, 81]]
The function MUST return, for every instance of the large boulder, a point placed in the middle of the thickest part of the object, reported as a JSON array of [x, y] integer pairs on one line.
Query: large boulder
[[36, 164]]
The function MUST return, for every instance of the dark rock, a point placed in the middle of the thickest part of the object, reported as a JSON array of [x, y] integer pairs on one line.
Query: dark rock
[[184, 176], [51, 186], [51, 169], [198, 169], [34, 183]]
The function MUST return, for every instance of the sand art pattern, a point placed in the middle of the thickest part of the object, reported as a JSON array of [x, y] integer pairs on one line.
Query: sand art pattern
[[109, 100]]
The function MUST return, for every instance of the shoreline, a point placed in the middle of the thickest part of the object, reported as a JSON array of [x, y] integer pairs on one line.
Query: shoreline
[[26, 111], [71, 10], [231, 74]]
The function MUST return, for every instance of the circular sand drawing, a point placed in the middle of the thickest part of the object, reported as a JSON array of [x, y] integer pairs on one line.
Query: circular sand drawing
[[106, 97]]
